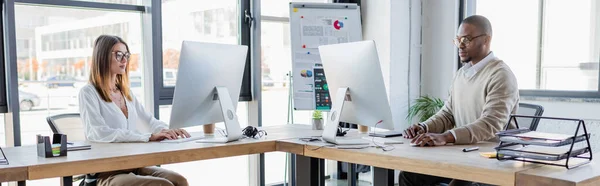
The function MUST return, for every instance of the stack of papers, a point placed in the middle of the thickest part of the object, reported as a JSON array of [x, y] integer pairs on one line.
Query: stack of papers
[[78, 146]]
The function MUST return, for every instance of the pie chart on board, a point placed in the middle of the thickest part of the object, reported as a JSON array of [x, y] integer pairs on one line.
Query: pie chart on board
[[337, 24]]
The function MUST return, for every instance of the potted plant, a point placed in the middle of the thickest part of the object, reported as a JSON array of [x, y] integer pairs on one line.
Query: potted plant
[[424, 107], [317, 120]]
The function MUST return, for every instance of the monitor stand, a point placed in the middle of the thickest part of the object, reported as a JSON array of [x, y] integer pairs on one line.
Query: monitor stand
[[232, 126], [330, 131]]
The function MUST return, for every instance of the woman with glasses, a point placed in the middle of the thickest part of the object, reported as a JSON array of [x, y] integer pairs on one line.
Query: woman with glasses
[[110, 113]]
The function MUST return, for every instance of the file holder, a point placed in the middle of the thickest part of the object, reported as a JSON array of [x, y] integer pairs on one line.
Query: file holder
[[506, 150], [44, 147]]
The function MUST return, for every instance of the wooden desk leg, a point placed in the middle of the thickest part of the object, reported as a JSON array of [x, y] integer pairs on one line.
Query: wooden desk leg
[[383, 177], [66, 181], [352, 178], [304, 173]]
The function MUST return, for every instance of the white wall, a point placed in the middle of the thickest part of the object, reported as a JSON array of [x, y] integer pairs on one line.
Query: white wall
[[376, 26], [397, 34], [439, 59]]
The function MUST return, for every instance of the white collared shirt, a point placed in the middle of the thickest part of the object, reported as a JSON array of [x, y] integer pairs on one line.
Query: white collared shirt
[[105, 122], [471, 70]]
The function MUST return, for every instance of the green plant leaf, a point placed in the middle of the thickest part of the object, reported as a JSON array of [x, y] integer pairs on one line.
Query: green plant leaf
[[424, 107]]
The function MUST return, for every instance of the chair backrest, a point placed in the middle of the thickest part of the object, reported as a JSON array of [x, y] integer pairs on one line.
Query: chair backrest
[[69, 124], [529, 110]]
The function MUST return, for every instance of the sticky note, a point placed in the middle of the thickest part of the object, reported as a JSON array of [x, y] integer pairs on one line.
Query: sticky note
[[488, 154], [295, 9]]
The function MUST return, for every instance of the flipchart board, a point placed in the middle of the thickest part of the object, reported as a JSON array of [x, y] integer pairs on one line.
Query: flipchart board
[[313, 25]]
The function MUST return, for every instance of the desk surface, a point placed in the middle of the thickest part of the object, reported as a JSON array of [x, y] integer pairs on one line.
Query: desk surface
[[14, 171], [446, 161], [586, 175], [116, 156]]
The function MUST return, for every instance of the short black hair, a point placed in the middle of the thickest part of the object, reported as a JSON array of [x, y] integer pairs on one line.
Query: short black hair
[[480, 22]]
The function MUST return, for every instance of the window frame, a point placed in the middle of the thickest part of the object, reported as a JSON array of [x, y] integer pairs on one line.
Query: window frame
[[470, 9], [3, 87]]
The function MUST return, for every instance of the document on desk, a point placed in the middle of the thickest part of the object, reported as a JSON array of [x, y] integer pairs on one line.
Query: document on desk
[[78, 146]]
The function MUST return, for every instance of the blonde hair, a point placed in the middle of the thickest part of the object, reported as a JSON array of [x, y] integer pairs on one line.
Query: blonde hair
[[100, 69]]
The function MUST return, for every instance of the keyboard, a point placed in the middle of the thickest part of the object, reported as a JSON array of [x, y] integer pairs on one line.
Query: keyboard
[[382, 141], [181, 140], [339, 141]]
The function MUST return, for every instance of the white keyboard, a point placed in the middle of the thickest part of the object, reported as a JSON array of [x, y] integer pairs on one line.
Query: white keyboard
[[181, 140], [382, 141], [339, 141]]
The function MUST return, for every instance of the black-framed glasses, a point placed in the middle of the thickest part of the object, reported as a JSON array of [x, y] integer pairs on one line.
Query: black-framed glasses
[[119, 55], [465, 40]]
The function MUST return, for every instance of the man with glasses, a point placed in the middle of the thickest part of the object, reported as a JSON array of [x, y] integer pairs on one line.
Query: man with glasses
[[483, 94]]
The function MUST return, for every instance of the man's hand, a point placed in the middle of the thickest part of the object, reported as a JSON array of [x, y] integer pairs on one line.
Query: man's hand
[[413, 131], [169, 134], [431, 139]]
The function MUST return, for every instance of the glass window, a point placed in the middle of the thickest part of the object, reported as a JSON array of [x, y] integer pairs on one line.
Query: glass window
[[203, 20], [55, 64], [543, 53], [276, 63]]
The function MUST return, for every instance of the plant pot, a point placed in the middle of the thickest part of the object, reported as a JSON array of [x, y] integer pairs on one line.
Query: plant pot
[[317, 124]]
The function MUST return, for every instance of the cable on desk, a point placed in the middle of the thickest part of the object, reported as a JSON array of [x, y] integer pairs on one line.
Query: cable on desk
[[383, 147]]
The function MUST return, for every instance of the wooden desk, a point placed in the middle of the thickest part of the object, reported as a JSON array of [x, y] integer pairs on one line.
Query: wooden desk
[[14, 171], [447, 161], [586, 175], [26, 165]]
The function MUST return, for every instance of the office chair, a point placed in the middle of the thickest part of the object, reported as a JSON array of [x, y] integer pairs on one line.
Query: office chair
[[528, 109], [70, 125]]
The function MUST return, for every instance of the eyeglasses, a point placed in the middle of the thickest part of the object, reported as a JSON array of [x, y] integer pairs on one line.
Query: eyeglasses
[[465, 40], [119, 55]]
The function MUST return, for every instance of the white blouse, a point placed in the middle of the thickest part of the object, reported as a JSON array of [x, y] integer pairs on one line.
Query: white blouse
[[105, 122]]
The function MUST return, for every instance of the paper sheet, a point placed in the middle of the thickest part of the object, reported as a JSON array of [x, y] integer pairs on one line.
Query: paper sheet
[[323, 31]]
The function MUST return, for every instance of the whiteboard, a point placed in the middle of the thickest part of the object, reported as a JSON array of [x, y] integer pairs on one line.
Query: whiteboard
[[313, 25]]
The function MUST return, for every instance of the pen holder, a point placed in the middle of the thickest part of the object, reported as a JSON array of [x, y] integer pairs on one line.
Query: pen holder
[[57, 148]]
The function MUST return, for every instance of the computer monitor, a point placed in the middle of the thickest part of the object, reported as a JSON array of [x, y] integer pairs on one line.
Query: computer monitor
[[356, 87], [208, 87]]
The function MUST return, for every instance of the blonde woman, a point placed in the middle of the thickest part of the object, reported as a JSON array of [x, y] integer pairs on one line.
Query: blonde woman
[[110, 113]]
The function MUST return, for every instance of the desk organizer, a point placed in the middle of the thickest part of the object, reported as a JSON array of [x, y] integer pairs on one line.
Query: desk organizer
[[3, 160], [545, 148], [57, 148]]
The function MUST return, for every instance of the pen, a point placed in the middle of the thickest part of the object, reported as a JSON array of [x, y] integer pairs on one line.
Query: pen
[[470, 149]]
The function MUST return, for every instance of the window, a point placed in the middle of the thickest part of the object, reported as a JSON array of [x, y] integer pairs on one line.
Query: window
[[193, 20], [553, 47], [55, 65], [276, 63], [202, 21]]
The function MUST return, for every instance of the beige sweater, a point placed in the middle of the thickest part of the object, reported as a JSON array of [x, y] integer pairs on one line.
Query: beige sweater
[[478, 106]]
